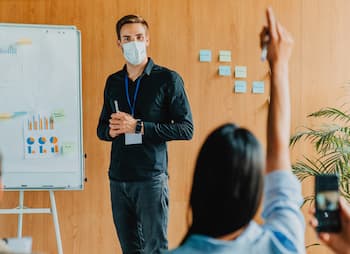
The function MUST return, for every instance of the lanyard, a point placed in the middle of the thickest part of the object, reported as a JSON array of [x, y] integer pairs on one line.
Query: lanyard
[[132, 107]]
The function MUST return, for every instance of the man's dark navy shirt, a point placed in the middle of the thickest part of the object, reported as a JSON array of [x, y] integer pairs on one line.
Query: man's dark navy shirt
[[162, 105]]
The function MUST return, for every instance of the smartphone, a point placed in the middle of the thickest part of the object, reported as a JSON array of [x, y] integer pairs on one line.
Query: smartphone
[[327, 203]]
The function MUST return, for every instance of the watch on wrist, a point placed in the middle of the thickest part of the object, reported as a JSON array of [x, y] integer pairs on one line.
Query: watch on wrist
[[138, 126]]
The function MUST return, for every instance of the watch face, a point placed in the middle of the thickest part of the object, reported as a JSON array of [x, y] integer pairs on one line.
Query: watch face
[[138, 126]]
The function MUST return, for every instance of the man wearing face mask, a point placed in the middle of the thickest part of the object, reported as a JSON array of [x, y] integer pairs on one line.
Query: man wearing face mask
[[145, 105]]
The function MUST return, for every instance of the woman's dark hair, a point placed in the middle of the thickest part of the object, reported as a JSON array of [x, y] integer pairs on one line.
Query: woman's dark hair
[[130, 19], [228, 181]]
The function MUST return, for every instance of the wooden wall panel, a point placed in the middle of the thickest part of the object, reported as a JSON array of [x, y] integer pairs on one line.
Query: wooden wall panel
[[179, 29]]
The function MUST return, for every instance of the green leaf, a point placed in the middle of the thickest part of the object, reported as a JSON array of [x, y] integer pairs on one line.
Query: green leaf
[[332, 113]]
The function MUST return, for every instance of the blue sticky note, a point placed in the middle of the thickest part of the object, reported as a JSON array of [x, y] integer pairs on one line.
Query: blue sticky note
[[240, 86], [205, 55], [224, 70], [19, 113], [258, 87]]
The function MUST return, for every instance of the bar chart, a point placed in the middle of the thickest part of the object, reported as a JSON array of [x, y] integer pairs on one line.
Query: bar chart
[[41, 139]]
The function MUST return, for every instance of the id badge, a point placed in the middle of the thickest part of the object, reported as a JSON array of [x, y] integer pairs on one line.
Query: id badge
[[133, 138]]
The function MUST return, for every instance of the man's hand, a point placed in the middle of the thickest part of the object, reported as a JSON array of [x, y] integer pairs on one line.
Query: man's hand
[[121, 123]]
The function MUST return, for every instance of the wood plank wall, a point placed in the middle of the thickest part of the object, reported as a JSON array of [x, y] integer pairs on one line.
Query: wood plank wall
[[179, 29]]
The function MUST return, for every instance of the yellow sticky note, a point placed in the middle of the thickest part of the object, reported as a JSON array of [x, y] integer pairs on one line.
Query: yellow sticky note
[[24, 41], [225, 56], [58, 114], [68, 148], [5, 115], [241, 71]]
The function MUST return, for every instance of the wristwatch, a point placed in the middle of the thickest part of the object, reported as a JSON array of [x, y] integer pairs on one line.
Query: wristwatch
[[138, 126]]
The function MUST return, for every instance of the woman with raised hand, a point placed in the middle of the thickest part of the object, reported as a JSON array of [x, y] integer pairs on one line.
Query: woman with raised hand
[[229, 180]]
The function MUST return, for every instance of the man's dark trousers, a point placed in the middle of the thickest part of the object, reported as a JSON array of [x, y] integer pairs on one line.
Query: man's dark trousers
[[140, 214]]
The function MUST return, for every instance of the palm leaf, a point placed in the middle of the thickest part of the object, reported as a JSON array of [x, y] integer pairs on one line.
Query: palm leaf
[[332, 145], [312, 245], [329, 137], [308, 199], [305, 169], [332, 113]]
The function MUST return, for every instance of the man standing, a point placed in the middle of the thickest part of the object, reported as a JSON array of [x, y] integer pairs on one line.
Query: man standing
[[145, 105]]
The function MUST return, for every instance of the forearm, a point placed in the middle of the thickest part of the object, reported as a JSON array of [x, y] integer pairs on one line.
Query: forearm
[[168, 131], [278, 129], [103, 132]]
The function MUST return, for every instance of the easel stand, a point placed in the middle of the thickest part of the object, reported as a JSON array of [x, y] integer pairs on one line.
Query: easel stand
[[20, 210]]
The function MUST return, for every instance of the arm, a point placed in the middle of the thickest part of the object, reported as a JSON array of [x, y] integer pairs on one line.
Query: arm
[[283, 198], [181, 127], [278, 125], [103, 123]]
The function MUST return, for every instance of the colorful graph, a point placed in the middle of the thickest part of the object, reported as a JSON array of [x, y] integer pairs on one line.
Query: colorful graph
[[53, 140], [40, 136], [40, 122], [42, 140], [30, 140], [10, 50]]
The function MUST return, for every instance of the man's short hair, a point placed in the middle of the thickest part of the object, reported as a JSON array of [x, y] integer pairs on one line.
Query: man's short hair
[[130, 19]]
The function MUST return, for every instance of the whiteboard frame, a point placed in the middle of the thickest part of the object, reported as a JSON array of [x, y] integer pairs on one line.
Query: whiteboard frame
[[81, 146]]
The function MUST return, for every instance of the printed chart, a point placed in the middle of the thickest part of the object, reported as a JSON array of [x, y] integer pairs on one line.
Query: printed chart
[[40, 137]]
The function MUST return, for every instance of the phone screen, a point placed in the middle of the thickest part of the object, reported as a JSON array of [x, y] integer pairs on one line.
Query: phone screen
[[327, 203]]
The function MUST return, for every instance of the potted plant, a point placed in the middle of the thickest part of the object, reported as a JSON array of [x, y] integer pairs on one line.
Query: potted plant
[[331, 143]]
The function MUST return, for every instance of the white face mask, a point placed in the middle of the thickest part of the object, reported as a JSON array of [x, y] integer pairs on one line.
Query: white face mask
[[135, 52]]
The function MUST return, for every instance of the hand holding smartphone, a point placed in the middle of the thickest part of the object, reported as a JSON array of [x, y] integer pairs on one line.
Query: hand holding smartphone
[[327, 203]]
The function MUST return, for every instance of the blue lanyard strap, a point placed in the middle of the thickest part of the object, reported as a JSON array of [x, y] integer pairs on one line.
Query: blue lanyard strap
[[132, 107]]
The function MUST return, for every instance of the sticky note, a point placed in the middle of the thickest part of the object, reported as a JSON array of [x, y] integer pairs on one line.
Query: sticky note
[[58, 114], [258, 87], [205, 55], [24, 41], [68, 148], [11, 115], [5, 115], [241, 71], [240, 86], [224, 70], [19, 113], [225, 56]]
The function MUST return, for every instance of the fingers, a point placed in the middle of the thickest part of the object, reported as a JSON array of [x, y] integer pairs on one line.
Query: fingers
[[271, 21], [325, 237], [334, 241], [121, 123], [313, 222], [264, 36], [283, 34], [120, 115], [113, 133], [344, 207]]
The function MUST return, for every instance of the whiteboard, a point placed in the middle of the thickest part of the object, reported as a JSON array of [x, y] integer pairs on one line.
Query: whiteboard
[[41, 107]]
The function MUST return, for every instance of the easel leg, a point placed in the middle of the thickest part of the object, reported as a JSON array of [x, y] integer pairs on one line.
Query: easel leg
[[55, 221], [20, 215]]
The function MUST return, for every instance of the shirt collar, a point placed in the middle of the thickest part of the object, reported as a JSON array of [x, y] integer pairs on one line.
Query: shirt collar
[[147, 69], [250, 234], [149, 66]]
